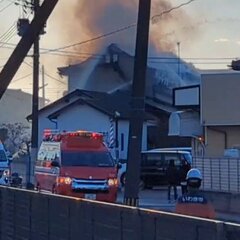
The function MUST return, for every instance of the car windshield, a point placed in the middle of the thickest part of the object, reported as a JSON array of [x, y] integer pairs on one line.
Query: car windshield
[[89, 159], [188, 157], [3, 157]]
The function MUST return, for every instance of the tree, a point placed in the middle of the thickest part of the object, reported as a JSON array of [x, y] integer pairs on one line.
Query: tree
[[15, 136]]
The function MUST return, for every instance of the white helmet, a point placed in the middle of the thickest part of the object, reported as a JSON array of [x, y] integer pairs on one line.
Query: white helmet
[[194, 173]]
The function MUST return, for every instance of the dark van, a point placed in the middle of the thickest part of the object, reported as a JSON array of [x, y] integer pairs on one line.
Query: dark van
[[154, 164]]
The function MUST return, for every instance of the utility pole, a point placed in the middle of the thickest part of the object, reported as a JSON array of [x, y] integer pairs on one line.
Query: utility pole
[[178, 47], [43, 86], [19, 53], [138, 105], [35, 99]]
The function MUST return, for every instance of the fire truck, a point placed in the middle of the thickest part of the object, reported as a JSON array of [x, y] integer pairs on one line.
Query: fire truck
[[76, 164]]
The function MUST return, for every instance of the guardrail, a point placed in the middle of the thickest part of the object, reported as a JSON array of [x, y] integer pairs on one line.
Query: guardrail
[[30, 215], [219, 174]]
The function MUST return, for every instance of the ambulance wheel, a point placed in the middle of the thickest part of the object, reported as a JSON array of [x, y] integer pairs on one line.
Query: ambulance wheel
[[141, 185], [123, 179], [54, 189], [37, 188]]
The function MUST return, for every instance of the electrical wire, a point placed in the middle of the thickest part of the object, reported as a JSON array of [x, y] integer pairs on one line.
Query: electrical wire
[[9, 29], [117, 30], [150, 57], [1, 10], [156, 17], [9, 36], [61, 53], [93, 39], [158, 60], [28, 64], [23, 77]]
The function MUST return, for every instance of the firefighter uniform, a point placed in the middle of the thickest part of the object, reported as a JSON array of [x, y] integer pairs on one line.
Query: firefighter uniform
[[193, 203]]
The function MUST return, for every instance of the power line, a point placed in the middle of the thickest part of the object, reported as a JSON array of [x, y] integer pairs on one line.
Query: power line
[[8, 36], [157, 16], [9, 29], [62, 53], [28, 64], [93, 39], [15, 80], [1, 10], [120, 29], [150, 58]]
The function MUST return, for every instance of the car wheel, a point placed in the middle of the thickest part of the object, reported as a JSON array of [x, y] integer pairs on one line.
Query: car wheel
[[141, 185], [123, 179]]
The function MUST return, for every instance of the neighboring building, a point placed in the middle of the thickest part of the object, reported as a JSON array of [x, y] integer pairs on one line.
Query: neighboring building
[[15, 105], [93, 111], [212, 110]]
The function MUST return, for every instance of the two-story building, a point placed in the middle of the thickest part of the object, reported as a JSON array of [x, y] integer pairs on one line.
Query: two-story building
[[209, 113]]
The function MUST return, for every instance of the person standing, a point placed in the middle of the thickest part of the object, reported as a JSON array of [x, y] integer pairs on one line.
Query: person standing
[[172, 178], [183, 174], [193, 203]]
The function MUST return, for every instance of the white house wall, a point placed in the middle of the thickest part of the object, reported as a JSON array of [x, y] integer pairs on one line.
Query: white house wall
[[124, 129], [87, 118], [44, 122], [83, 117]]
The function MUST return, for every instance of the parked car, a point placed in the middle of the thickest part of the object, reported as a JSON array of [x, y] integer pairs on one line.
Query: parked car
[[122, 172], [154, 165], [4, 177]]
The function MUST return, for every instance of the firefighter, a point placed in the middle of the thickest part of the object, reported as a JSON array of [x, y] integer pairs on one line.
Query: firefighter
[[194, 203]]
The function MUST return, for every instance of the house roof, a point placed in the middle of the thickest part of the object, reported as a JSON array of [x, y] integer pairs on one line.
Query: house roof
[[94, 61], [66, 98], [218, 71], [106, 103]]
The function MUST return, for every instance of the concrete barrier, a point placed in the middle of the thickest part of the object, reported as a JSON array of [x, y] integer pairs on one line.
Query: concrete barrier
[[36, 216], [224, 202]]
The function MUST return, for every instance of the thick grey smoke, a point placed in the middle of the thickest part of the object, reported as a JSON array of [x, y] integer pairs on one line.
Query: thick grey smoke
[[76, 21]]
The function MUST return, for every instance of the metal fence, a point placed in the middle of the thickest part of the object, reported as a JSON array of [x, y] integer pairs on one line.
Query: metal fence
[[219, 174]]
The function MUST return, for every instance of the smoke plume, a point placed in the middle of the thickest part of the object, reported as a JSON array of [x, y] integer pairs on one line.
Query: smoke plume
[[76, 21]]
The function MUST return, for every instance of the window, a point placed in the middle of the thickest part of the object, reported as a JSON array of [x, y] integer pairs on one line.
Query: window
[[47, 153], [88, 159], [152, 159], [172, 156]]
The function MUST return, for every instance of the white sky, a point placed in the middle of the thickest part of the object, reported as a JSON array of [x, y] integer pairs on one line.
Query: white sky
[[219, 37]]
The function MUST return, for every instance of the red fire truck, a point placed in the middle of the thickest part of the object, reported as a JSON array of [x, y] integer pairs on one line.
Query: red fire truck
[[76, 164]]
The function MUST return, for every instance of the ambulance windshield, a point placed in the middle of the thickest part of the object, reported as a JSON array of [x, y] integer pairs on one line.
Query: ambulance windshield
[[88, 159]]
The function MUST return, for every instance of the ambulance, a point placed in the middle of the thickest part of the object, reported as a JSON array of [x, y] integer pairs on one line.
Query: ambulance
[[76, 164]]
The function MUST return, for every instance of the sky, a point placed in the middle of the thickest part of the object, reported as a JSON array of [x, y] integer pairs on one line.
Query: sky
[[207, 32]]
